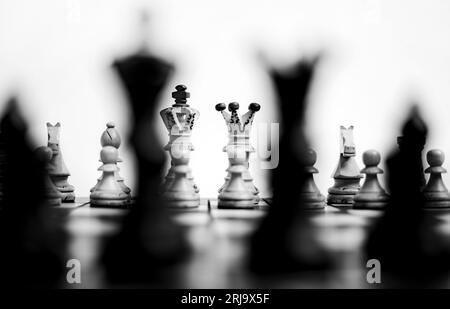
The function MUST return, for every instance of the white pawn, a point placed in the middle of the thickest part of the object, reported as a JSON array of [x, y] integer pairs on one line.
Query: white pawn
[[371, 195], [435, 193], [235, 194], [107, 192], [310, 195]]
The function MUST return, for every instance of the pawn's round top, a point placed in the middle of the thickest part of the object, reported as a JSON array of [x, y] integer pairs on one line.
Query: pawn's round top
[[220, 107], [254, 107], [435, 157], [310, 157], [110, 124], [109, 154], [44, 154], [371, 157], [233, 106]]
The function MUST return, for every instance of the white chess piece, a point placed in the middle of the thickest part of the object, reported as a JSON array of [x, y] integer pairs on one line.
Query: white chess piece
[[108, 192]]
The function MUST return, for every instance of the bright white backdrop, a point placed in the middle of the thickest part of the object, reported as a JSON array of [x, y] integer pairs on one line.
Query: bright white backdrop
[[379, 54]]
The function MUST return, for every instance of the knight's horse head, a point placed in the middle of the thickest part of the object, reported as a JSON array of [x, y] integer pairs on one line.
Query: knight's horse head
[[53, 136], [347, 143]]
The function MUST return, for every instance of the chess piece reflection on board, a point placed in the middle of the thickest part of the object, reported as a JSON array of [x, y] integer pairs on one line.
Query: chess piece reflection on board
[[57, 168], [346, 175], [111, 191], [238, 190], [179, 188]]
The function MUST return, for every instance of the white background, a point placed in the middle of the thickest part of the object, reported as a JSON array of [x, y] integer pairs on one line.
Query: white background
[[378, 56]]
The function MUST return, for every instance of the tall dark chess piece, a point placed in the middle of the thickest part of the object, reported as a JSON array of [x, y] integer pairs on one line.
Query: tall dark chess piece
[[238, 190], [149, 239], [371, 195], [180, 190], [27, 232], [57, 168], [346, 175], [285, 240], [405, 239]]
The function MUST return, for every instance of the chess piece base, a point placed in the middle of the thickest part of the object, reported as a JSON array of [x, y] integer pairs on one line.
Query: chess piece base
[[341, 200], [435, 199], [53, 201], [109, 203], [437, 204], [343, 192], [312, 201], [182, 199], [236, 204], [109, 198], [369, 205], [183, 204], [68, 197]]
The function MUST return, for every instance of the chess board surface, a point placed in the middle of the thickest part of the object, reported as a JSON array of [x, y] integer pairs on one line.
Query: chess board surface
[[219, 242]]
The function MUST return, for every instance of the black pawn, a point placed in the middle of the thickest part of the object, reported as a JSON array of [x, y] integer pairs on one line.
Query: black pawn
[[435, 193], [310, 194], [371, 195]]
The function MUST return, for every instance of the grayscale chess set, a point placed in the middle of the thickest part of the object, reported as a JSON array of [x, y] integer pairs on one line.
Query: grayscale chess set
[[179, 190], [381, 221]]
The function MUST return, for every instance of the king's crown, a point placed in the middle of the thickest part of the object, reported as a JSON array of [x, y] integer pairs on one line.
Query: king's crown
[[179, 118]]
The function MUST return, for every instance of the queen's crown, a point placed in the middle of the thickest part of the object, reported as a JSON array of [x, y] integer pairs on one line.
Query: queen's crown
[[237, 124]]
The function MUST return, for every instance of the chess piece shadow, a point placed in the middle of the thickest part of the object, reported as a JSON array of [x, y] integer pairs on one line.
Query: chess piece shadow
[[32, 244], [149, 242], [404, 240], [284, 242]]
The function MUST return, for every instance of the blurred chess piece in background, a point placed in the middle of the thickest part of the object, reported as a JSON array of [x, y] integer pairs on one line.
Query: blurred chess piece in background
[[29, 233], [285, 241], [149, 241]]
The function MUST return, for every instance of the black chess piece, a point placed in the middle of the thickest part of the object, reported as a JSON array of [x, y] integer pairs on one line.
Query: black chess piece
[[284, 242], [149, 242], [28, 235], [371, 195], [435, 192], [405, 240]]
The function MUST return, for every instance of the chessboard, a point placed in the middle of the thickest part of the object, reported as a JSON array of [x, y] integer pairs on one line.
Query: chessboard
[[219, 242]]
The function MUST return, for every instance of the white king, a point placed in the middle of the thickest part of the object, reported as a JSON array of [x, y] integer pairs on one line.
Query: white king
[[179, 188], [238, 150]]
